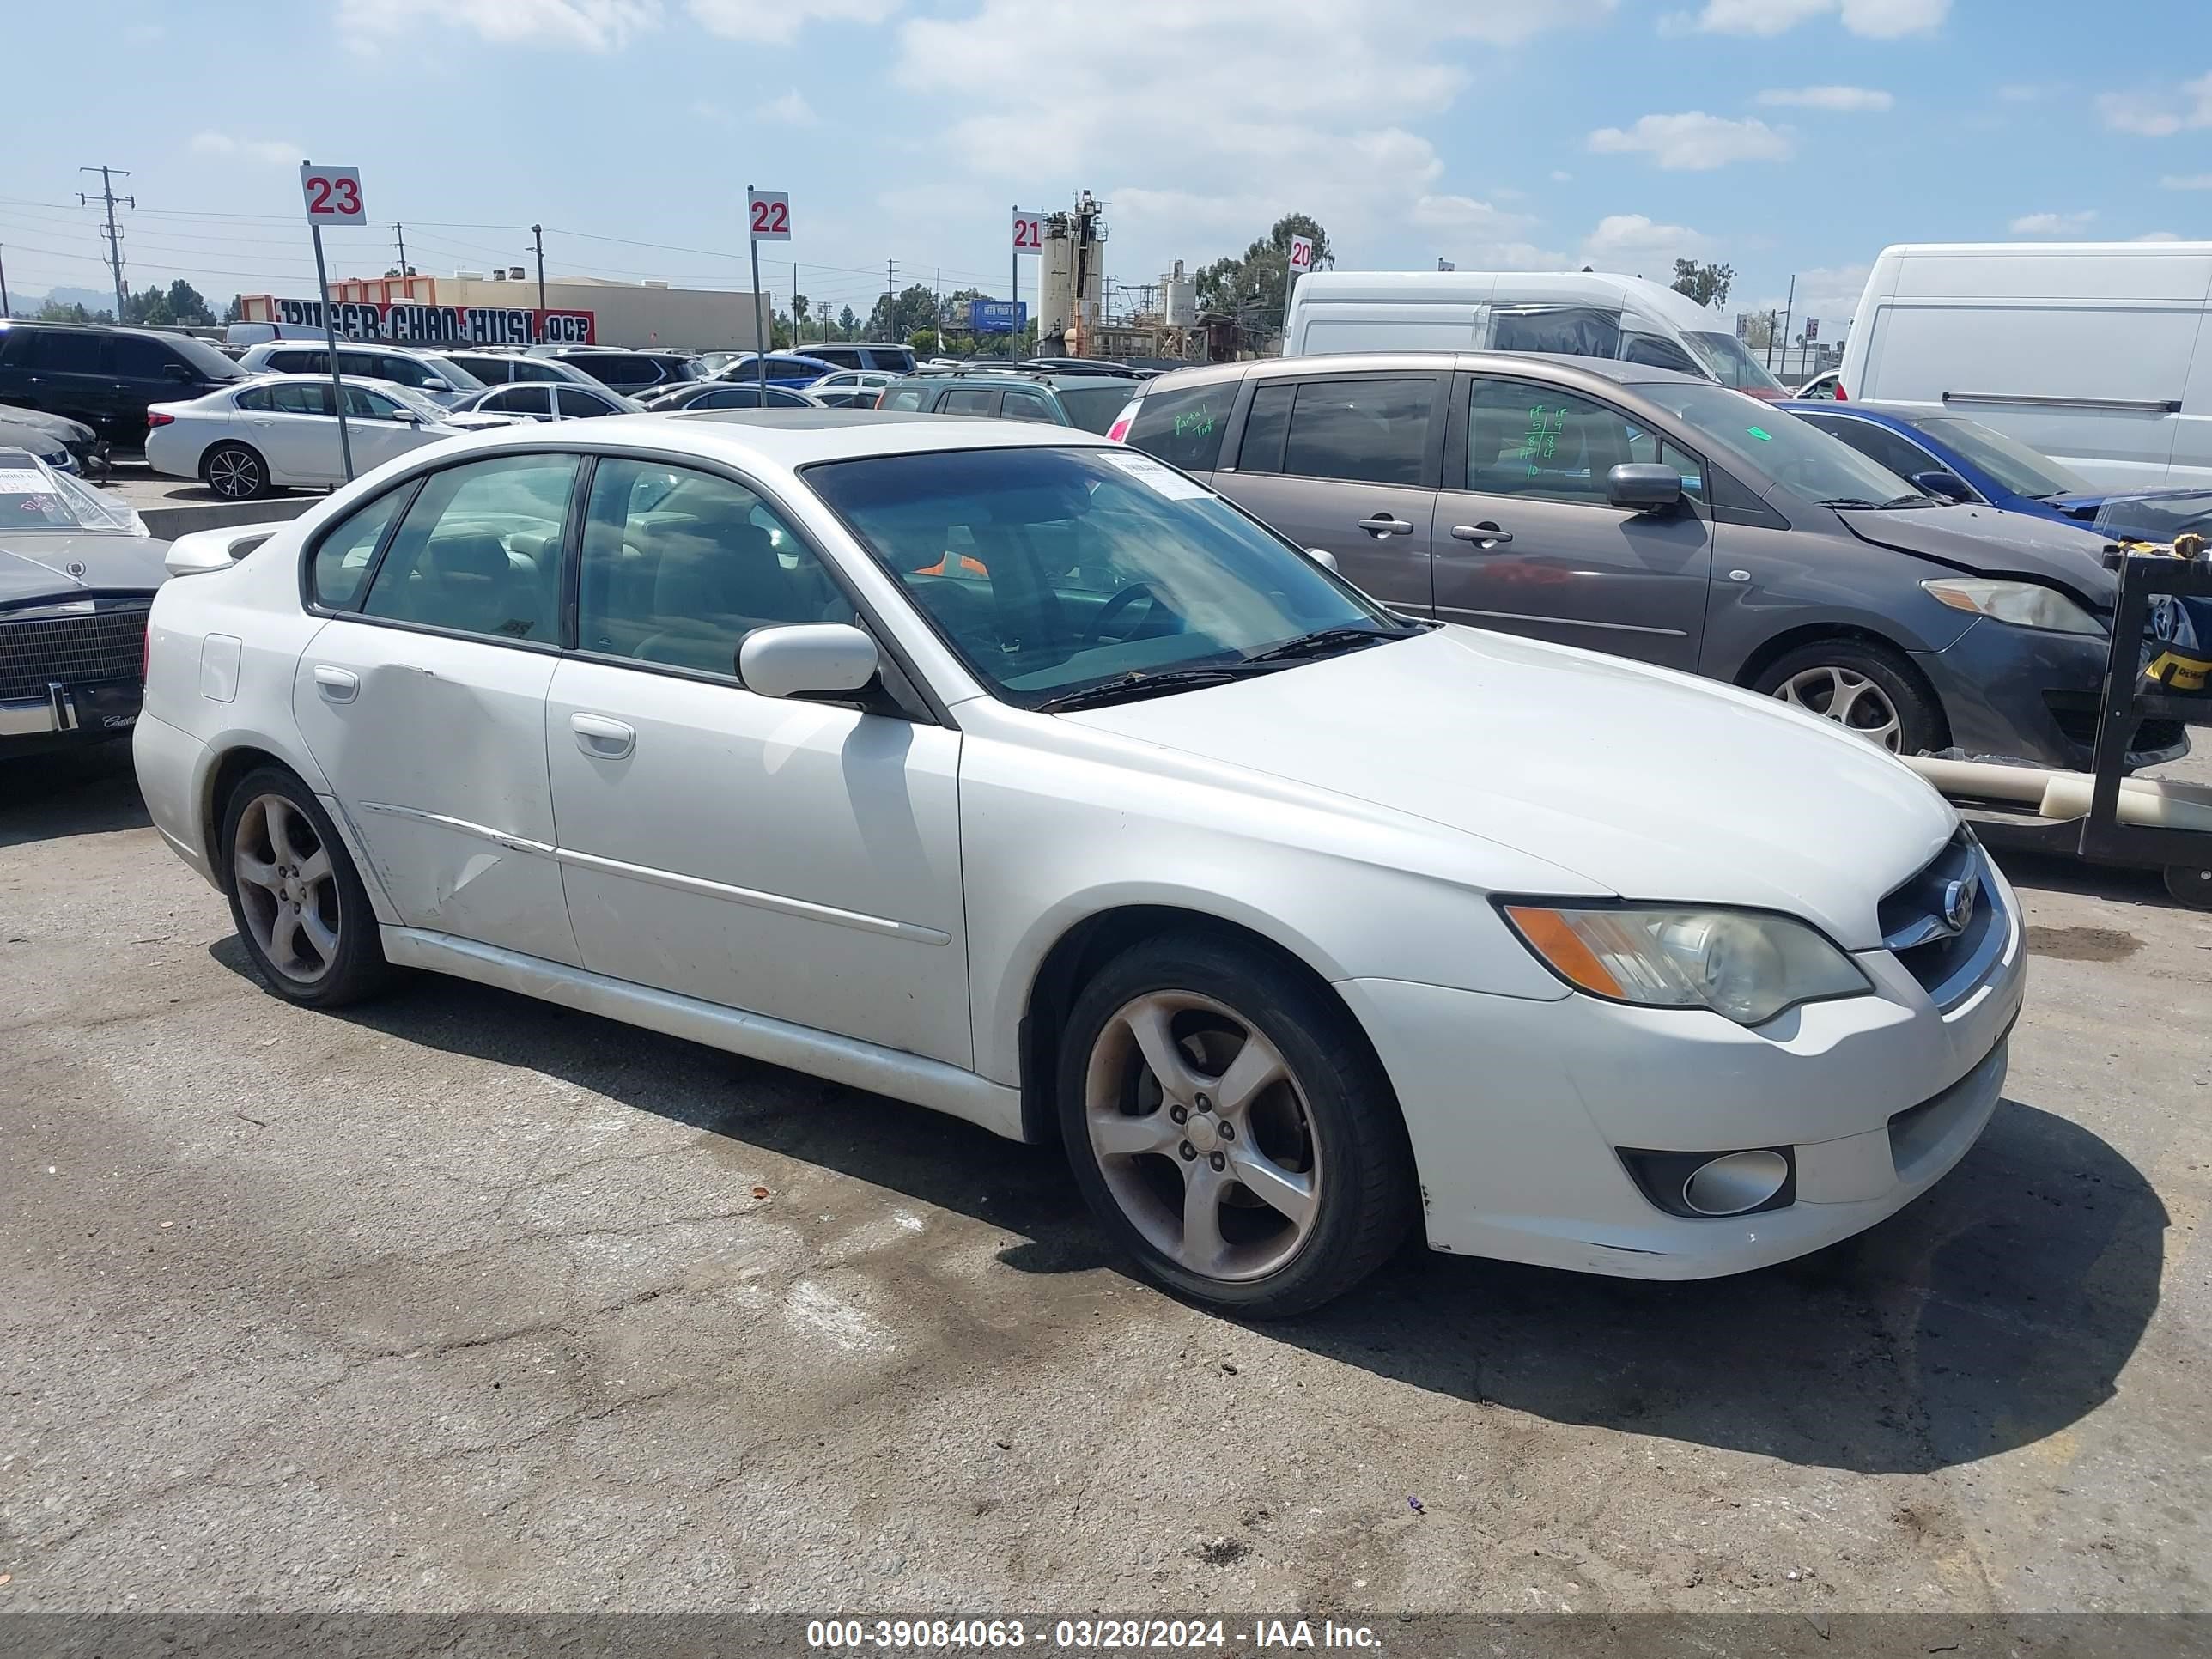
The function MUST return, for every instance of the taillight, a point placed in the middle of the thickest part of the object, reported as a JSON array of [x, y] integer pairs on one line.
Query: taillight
[[154, 418], [1119, 432], [1840, 397]]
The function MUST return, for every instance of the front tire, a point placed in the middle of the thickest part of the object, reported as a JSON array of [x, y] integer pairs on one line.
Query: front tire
[[235, 472], [1863, 687], [295, 899], [2191, 885], [1231, 1128]]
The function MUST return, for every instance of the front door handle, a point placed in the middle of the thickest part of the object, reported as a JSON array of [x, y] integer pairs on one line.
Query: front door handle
[[1485, 535], [1382, 524], [337, 685], [601, 738]]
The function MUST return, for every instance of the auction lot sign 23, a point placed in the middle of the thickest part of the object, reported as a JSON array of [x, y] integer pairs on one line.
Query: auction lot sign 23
[[410, 323]]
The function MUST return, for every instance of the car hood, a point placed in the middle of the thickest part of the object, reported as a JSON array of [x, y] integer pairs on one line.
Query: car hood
[[35, 565], [1650, 784], [60, 426], [1989, 541]]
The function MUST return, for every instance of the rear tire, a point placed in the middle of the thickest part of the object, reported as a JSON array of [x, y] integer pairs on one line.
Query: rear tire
[[234, 472], [1269, 1172], [2189, 885], [295, 899], [1863, 686]]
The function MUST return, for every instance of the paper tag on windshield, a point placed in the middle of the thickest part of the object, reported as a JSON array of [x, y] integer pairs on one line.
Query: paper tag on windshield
[[1145, 469], [21, 481]]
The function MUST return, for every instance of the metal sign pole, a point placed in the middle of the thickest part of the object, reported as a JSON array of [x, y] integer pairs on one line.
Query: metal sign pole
[[1014, 294], [331, 339], [760, 327]]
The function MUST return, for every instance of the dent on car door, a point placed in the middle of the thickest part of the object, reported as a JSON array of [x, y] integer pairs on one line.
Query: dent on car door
[[1349, 464], [422, 699], [1527, 540], [799, 860]]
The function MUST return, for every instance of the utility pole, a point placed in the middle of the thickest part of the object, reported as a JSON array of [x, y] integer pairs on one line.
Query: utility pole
[[1789, 306], [890, 316], [798, 334], [401, 231], [4, 308], [538, 239], [108, 177]]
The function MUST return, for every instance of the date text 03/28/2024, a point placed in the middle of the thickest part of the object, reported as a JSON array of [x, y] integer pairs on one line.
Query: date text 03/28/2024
[[1084, 1635]]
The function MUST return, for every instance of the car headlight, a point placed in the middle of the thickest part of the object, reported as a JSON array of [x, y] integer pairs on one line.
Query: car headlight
[[2024, 605], [1743, 964]]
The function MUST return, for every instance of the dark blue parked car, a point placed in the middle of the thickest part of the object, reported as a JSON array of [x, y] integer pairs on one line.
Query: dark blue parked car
[[1963, 461], [784, 368]]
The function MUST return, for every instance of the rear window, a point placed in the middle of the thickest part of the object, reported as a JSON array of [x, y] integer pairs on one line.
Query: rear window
[[1183, 425], [1094, 407]]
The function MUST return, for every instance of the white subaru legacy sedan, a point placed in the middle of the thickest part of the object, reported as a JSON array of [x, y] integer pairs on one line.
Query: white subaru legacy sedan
[[1009, 772]]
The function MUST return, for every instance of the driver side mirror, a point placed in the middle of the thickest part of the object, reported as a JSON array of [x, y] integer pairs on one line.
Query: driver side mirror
[[1324, 558], [433, 384], [406, 416], [1645, 487], [807, 659], [1941, 481], [177, 371]]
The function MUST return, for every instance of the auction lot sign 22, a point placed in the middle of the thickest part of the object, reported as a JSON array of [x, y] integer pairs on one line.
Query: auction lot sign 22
[[410, 323]]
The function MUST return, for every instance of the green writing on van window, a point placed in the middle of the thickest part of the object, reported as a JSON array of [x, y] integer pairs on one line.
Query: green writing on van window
[[1541, 441], [1194, 423]]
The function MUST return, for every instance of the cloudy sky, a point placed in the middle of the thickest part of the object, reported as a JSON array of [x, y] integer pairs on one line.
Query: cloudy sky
[[1784, 137]]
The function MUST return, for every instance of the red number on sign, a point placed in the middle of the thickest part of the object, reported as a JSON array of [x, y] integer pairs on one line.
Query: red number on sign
[[349, 196], [318, 199], [1024, 232], [760, 217], [771, 218]]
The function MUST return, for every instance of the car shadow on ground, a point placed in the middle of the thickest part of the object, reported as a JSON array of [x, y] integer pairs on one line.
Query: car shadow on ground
[[69, 791], [1993, 1313]]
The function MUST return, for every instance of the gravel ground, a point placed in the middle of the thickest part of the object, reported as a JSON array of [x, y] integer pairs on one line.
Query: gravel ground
[[460, 1301]]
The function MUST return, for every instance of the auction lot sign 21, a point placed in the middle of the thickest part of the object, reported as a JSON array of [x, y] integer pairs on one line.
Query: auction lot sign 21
[[411, 322]]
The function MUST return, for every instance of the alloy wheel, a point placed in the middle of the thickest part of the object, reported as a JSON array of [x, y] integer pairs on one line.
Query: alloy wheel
[[1203, 1135], [1849, 699], [287, 889], [234, 474]]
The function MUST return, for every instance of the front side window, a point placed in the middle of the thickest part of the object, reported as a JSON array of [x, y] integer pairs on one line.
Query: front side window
[[1366, 431], [736, 397], [1655, 353], [1523, 439], [479, 551], [577, 404], [1049, 570], [680, 566], [401, 371], [139, 358], [1574, 330], [343, 556], [518, 400], [528, 369]]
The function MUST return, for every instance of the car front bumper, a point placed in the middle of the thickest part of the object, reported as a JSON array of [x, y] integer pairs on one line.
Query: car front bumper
[[62, 718], [1518, 1111], [2032, 694]]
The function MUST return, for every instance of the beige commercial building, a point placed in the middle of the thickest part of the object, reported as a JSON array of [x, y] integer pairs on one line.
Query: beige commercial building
[[622, 313]]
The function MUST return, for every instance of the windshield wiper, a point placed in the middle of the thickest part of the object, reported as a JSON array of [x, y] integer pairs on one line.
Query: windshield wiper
[[1849, 500], [1327, 642], [1918, 499], [1144, 682]]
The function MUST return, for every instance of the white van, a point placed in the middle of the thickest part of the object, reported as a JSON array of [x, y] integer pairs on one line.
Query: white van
[[1582, 314], [2098, 354]]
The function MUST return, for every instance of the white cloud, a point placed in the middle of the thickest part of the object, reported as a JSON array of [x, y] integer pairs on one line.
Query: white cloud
[[792, 110], [1694, 141], [269, 152], [2157, 113], [591, 25], [1630, 242], [2053, 224], [2186, 181], [1878, 20], [1227, 94], [1561, 176], [2020, 92], [2158, 236], [780, 20], [1849, 101]]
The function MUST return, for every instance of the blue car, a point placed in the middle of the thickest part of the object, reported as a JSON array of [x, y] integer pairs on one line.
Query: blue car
[[784, 368], [1963, 461]]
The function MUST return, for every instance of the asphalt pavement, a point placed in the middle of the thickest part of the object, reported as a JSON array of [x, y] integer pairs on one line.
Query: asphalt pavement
[[460, 1301]]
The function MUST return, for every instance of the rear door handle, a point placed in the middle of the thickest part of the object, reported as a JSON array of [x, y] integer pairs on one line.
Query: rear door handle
[[601, 738], [1483, 535], [337, 685], [1383, 525]]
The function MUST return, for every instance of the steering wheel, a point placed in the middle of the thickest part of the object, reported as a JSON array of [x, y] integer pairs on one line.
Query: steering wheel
[[1113, 607]]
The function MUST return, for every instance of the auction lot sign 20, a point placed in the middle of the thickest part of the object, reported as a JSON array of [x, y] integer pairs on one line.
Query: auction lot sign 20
[[409, 323]]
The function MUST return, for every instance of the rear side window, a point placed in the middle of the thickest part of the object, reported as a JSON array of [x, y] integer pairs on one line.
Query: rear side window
[[518, 400], [479, 551], [301, 397], [1575, 330], [970, 400], [343, 556], [300, 362], [1027, 406], [1367, 431], [64, 352], [257, 398], [1184, 426], [526, 368], [902, 397]]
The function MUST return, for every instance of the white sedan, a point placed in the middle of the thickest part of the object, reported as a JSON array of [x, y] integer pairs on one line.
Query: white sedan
[[1008, 772], [281, 430]]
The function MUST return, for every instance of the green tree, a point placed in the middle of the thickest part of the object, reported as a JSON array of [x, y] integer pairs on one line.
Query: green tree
[[1760, 328], [1256, 285], [1707, 284], [846, 322], [186, 305], [148, 308], [924, 340], [800, 306], [55, 312], [235, 311], [914, 308]]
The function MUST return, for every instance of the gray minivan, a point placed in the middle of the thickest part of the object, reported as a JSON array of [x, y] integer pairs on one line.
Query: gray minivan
[[1636, 511]]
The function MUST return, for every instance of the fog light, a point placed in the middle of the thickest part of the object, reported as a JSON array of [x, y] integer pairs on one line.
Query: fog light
[[1740, 1182]]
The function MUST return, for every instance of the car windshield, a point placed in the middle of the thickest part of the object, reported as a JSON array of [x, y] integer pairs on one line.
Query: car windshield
[[1776, 442], [2157, 518], [2011, 462], [1094, 407], [1731, 365], [33, 496], [1051, 571], [428, 408]]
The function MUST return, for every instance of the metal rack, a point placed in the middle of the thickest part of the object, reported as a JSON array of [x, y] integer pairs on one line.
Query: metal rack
[[2125, 698]]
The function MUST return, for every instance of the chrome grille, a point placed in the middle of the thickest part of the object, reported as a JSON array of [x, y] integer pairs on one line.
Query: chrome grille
[[1949, 959], [105, 643]]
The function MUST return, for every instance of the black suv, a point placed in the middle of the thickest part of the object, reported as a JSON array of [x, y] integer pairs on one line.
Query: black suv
[[626, 371], [105, 377]]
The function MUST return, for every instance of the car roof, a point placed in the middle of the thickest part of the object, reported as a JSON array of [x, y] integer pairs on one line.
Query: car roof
[[1550, 364], [788, 438]]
